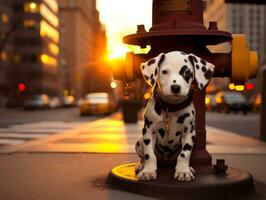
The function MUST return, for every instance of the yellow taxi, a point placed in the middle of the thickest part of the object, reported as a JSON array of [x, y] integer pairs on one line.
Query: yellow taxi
[[97, 103]]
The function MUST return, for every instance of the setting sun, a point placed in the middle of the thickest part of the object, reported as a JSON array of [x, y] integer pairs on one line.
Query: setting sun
[[121, 18]]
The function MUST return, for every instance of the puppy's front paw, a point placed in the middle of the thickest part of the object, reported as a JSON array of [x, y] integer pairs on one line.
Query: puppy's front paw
[[186, 174], [147, 174]]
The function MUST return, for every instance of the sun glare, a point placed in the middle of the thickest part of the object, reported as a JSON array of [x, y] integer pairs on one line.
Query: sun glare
[[121, 18]]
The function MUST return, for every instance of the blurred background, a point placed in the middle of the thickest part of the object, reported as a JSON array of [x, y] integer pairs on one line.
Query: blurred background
[[56, 54]]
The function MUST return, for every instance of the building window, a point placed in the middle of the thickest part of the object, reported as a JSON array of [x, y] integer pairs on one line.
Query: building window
[[53, 48], [48, 60], [4, 18], [31, 7], [30, 23], [52, 4], [49, 31], [4, 56], [51, 17], [17, 58]]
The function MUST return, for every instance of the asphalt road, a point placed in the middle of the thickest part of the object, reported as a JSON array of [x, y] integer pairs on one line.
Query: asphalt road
[[19, 116], [238, 123], [242, 124]]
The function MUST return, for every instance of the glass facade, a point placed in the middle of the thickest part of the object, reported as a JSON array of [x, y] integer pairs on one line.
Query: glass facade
[[48, 60], [50, 16], [52, 4], [48, 31]]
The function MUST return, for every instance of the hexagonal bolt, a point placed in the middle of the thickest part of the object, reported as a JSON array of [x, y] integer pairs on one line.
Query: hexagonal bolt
[[220, 167], [213, 26], [141, 28]]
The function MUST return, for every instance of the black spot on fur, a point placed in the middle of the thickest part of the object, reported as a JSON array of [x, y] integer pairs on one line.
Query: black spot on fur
[[153, 132], [193, 139], [185, 60], [152, 81], [185, 129], [193, 112], [170, 141], [146, 157], [157, 108], [186, 73], [208, 74], [203, 69], [143, 67], [147, 141], [195, 59], [183, 69], [156, 71], [203, 61], [182, 53], [161, 60], [201, 85], [182, 155], [161, 132], [177, 133], [147, 122], [192, 128], [151, 61], [187, 147], [146, 77], [144, 130], [138, 143], [182, 118], [191, 59], [197, 66], [151, 77]]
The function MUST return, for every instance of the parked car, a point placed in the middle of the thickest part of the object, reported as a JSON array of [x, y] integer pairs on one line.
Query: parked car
[[40, 101], [97, 103], [210, 102], [55, 102], [68, 101], [231, 101]]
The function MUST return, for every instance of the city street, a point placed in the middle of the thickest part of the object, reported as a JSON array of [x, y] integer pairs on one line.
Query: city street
[[18, 126], [238, 123]]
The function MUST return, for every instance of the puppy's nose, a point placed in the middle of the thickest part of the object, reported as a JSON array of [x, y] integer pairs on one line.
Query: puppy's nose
[[175, 88]]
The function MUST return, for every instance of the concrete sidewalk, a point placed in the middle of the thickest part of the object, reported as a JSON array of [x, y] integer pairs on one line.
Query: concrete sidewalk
[[112, 135], [75, 164]]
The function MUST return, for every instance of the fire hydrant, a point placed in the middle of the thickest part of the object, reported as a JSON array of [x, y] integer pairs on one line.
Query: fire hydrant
[[178, 25]]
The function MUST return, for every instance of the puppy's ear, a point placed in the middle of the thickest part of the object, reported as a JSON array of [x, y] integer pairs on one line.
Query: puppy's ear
[[150, 69], [203, 70]]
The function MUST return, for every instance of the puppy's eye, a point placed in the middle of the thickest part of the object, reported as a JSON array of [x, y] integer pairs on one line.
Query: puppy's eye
[[165, 72]]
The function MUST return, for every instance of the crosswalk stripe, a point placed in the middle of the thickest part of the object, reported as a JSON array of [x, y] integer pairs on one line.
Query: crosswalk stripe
[[22, 135], [11, 141], [39, 130]]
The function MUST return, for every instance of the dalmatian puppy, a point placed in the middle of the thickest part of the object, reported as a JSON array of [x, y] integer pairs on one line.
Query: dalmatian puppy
[[169, 126]]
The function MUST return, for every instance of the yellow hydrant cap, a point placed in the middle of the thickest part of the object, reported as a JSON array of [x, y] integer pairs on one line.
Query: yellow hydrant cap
[[254, 64]]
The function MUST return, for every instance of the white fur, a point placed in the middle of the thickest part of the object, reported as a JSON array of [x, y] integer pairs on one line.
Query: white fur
[[172, 63]]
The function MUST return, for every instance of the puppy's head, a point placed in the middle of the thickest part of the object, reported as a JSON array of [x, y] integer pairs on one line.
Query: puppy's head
[[174, 73]]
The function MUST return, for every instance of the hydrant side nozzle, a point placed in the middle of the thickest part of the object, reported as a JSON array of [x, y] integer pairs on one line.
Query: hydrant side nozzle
[[254, 63], [244, 61]]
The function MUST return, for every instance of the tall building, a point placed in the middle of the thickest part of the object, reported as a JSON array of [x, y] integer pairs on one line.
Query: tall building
[[6, 29], [248, 19], [82, 48], [29, 55], [36, 46]]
